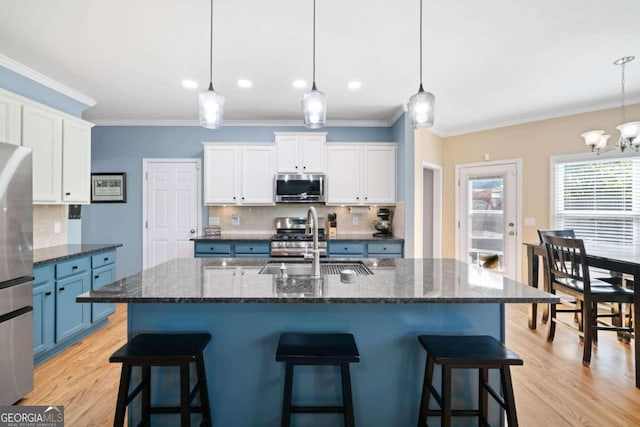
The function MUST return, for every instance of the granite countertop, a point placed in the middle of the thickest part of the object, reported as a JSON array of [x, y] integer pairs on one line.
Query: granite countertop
[[237, 280], [235, 236], [366, 237], [58, 253]]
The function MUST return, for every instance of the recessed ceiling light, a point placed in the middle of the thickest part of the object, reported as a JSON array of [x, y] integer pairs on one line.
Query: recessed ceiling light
[[243, 83], [189, 84], [299, 84], [354, 85]]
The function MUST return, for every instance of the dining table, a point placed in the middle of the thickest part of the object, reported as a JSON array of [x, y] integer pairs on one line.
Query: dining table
[[618, 259]]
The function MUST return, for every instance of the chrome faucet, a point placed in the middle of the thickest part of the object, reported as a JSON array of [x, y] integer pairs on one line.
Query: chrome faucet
[[312, 221]]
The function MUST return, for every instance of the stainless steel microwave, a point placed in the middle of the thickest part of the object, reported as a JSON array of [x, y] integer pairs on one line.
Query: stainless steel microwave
[[303, 188]]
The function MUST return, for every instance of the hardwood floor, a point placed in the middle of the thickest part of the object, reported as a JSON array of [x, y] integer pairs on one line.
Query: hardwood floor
[[552, 389]]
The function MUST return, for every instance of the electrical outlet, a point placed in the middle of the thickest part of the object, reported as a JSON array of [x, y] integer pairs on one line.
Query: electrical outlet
[[56, 227], [354, 220], [214, 220], [529, 221], [235, 220]]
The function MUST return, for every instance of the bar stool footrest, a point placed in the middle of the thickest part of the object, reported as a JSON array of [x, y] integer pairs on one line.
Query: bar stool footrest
[[318, 409]]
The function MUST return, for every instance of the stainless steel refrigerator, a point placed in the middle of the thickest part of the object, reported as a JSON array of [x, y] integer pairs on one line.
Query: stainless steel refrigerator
[[16, 268]]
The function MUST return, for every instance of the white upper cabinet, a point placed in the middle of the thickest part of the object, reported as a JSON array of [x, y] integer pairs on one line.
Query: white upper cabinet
[[361, 174], [42, 131], [61, 147], [239, 174], [10, 119], [301, 152], [76, 162]]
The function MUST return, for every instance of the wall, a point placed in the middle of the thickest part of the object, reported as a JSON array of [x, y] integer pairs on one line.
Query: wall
[[428, 148], [122, 148], [534, 143]]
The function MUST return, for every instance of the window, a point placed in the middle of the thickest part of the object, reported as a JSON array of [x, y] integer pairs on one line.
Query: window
[[598, 198]]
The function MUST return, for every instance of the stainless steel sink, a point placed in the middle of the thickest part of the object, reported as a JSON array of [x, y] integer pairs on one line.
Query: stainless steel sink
[[326, 267]]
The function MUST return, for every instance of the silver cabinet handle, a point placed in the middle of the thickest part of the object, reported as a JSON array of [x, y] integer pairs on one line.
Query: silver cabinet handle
[[193, 230]]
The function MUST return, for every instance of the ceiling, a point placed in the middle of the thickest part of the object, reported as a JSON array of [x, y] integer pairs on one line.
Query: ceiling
[[489, 63]]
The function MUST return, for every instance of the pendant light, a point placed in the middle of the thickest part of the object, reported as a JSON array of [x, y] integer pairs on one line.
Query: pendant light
[[210, 103], [314, 102], [421, 105], [629, 131]]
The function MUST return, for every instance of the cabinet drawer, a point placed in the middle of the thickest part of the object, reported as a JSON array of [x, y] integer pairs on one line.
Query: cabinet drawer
[[248, 248], [103, 258], [213, 248], [42, 274], [73, 266], [385, 248], [337, 248]]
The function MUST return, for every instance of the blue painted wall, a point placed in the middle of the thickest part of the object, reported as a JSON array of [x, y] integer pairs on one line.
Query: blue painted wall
[[122, 148], [28, 88], [404, 135]]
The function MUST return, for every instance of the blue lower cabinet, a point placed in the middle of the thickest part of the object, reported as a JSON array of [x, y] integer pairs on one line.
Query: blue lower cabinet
[[71, 317], [212, 249], [58, 320], [232, 249], [346, 249], [100, 277], [384, 250], [43, 308], [364, 249], [251, 249]]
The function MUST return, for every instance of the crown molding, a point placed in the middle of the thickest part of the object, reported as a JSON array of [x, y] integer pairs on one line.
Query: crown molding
[[270, 123], [38, 77]]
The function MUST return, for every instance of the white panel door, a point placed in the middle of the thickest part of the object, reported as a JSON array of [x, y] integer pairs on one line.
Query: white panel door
[[76, 162], [10, 120], [487, 213], [287, 156], [222, 174], [379, 174], [313, 152], [258, 170], [172, 209], [42, 131], [343, 174]]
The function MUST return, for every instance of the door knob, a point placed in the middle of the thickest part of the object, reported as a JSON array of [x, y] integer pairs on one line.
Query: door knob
[[511, 224], [512, 233]]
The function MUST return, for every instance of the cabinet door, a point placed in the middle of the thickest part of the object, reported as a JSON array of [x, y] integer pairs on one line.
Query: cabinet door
[[343, 174], [313, 152], [42, 131], [102, 276], [379, 174], [258, 170], [43, 308], [287, 156], [71, 316], [10, 120], [76, 162], [221, 175]]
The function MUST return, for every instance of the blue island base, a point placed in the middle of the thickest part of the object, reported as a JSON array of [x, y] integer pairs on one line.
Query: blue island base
[[246, 383]]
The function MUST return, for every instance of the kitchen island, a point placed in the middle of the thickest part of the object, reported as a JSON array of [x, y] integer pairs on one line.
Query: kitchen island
[[246, 311]]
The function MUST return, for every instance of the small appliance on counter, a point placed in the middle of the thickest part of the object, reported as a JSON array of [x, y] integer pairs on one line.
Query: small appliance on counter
[[331, 228], [383, 224]]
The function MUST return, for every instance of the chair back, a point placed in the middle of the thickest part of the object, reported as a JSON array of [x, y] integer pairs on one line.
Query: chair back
[[567, 261], [558, 233]]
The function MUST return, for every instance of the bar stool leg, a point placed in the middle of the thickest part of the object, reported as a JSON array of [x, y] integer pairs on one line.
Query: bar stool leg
[[347, 399], [146, 395], [446, 396], [185, 416], [204, 394], [509, 398], [286, 399], [483, 396], [426, 391], [123, 392]]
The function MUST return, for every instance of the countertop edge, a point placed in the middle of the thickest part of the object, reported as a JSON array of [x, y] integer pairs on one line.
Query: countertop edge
[[93, 248]]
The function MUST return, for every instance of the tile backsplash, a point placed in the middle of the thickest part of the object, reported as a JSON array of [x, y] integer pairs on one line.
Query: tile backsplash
[[260, 219], [49, 225]]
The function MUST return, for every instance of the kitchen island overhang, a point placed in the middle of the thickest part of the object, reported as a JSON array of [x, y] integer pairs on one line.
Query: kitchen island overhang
[[246, 311]]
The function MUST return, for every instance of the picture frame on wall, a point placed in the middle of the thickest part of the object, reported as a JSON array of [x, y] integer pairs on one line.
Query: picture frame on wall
[[109, 187]]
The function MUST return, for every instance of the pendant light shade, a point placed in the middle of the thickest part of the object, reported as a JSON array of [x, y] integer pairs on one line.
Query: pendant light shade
[[314, 102], [210, 103], [314, 108], [421, 106]]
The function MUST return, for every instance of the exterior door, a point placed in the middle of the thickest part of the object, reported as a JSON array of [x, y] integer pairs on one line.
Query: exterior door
[[171, 209], [488, 212]]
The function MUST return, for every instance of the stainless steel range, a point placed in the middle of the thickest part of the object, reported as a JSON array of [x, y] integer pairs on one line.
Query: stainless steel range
[[291, 240]]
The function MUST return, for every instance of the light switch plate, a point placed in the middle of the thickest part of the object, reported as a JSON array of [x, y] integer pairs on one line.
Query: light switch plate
[[214, 220], [354, 220], [529, 221], [235, 220], [56, 227]]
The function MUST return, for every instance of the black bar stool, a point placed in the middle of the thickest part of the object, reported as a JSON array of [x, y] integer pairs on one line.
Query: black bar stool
[[317, 349], [147, 350], [464, 352]]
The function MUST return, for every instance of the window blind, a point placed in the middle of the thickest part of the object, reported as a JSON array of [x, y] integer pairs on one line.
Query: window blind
[[599, 199]]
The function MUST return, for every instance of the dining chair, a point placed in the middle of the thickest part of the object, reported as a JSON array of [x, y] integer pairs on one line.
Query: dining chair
[[568, 273]]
